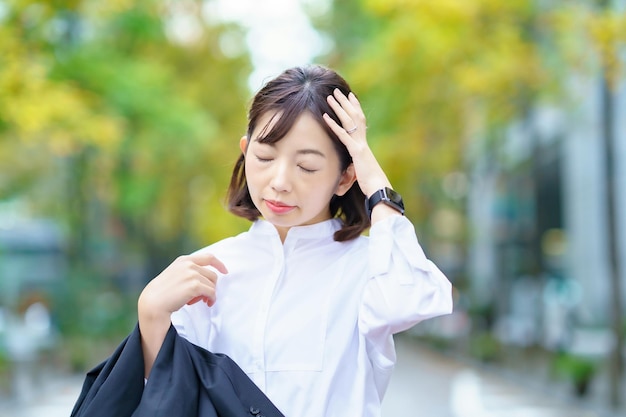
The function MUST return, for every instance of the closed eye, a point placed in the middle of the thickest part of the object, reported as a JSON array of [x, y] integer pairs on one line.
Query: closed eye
[[261, 159], [308, 171]]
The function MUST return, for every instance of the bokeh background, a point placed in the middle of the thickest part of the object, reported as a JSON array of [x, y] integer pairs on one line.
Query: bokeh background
[[502, 123]]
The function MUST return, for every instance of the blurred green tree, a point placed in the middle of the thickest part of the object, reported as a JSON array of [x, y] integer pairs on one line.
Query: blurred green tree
[[434, 75], [122, 118]]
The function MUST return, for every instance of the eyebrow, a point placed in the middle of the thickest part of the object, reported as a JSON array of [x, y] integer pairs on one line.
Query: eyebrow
[[310, 152], [306, 151]]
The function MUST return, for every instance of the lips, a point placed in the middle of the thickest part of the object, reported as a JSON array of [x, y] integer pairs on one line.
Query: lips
[[278, 207]]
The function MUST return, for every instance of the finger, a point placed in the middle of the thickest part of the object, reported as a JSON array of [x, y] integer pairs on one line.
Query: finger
[[204, 258], [341, 133], [355, 102], [351, 105], [343, 101], [344, 117], [202, 291], [204, 272], [196, 299], [357, 113], [207, 300]]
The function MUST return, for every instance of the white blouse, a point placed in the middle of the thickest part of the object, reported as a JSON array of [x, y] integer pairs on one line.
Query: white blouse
[[311, 320]]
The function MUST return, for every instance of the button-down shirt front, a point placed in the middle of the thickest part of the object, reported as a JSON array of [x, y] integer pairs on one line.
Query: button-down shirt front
[[311, 320]]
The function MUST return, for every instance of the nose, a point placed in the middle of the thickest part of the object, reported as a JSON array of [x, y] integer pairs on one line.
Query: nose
[[281, 177]]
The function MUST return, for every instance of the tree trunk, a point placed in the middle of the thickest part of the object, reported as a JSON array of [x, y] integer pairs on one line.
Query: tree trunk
[[608, 134]]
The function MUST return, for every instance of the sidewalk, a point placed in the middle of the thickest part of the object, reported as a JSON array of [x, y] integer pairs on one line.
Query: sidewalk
[[431, 384], [55, 398]]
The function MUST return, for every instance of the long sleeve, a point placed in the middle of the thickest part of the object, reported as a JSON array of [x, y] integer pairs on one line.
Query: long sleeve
[[404, 287]]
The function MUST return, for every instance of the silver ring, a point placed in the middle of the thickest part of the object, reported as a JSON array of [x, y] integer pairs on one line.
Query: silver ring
[[351, 130]]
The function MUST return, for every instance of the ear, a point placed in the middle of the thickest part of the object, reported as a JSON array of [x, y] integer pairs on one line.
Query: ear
[[243, 144], [346, 180]]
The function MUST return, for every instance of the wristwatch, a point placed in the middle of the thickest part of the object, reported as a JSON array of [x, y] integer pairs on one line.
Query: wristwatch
[[386, 196]]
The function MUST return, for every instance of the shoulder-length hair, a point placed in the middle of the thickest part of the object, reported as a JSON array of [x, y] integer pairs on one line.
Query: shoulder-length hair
[[295, 91]]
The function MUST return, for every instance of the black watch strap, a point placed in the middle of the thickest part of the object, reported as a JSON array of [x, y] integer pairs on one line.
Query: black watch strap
[[386, 196]]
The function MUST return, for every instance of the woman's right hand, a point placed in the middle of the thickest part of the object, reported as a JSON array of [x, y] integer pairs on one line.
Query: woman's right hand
[[187, 280]]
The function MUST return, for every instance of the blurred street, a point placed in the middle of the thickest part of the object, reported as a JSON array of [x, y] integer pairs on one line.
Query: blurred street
[[424, 384], [55, 398]]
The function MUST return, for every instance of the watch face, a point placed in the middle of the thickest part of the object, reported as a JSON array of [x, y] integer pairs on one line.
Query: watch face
[[387, 196], [394, 197]]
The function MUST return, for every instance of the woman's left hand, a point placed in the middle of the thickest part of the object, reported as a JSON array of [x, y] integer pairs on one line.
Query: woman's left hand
[[352, 134]]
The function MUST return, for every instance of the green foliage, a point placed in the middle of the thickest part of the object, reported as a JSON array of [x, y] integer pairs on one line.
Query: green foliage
[[439, 77], [485, 347], [577, 369], [4, 362], [5, 373], [92, 314], [132, 130], [86, 304], [432, 75]]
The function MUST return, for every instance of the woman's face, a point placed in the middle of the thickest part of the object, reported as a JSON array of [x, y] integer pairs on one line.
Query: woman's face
[[292, 181]]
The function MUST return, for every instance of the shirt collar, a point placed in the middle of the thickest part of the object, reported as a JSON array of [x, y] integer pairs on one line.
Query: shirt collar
[[313, 231]]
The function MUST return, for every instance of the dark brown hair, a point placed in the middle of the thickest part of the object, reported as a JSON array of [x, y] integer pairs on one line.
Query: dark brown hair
[[298, 90]]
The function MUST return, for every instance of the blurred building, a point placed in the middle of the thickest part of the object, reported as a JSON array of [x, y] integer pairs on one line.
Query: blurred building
[[32, 257], [537, 210]]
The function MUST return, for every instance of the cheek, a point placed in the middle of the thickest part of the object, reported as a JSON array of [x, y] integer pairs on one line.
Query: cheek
[[246, 170], [249, 167], [249, 172]]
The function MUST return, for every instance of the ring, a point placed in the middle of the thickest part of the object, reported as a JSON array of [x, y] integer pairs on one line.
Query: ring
[[351, 130]]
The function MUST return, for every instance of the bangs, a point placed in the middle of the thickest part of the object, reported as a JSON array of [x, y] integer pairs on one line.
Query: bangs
[[290, 108]]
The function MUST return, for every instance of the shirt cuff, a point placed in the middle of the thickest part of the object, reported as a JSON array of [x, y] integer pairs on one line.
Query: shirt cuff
[[395, 236]]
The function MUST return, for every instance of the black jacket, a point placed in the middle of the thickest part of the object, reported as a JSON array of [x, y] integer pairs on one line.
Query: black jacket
[[185, 381]]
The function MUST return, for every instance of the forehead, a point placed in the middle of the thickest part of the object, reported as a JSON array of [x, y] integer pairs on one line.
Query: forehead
[[305, 128]]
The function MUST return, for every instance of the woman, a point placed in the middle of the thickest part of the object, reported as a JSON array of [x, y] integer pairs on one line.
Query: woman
[[303, 302]]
